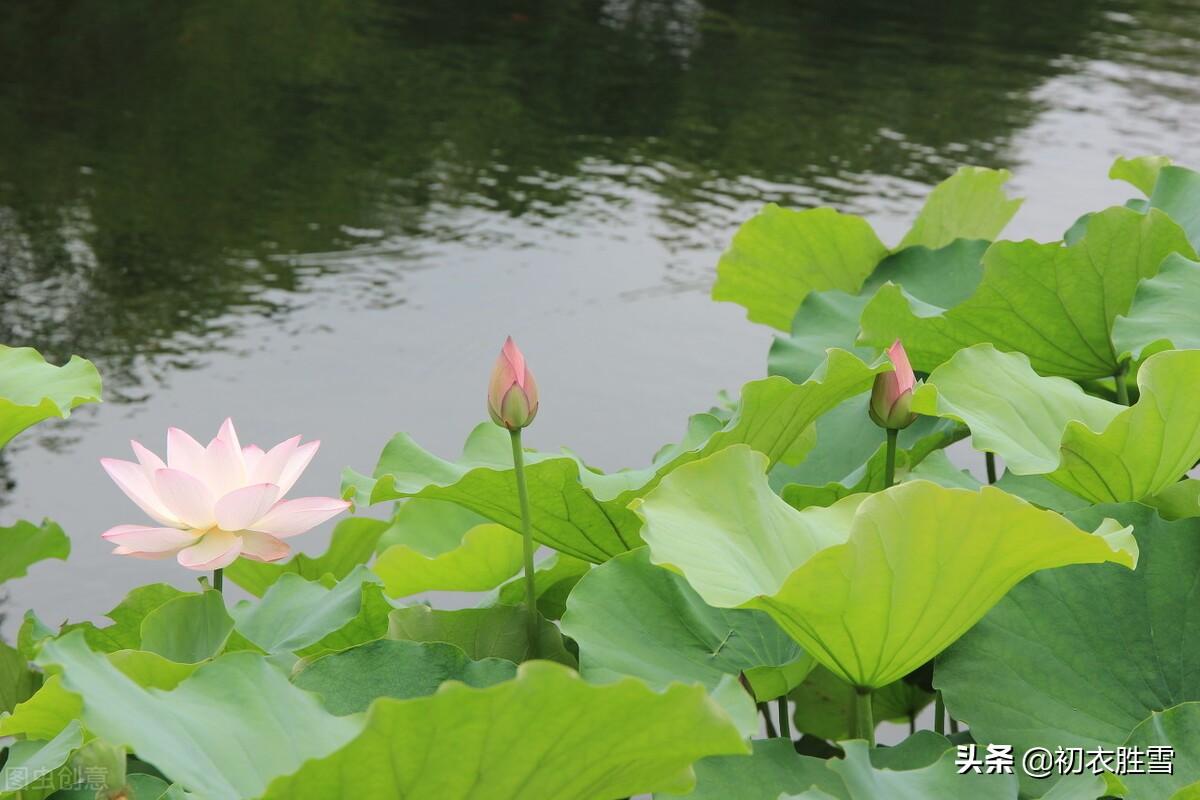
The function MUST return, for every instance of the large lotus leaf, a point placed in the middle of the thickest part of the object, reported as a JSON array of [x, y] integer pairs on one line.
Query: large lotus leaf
[[24, 544], [1055, 303], [224, 732], [776, 771], [126, 631], [779, 255], [546, 734], [496, 632], [17, 681], [1101, 451], [942, 277], [1080, 656], [353, 543], [825, 703], [188, 629], [872, 586], [349, 681], [295, 613], [369, 624], [1163, 313], [553, 579], [432, 527], [584, 513], [1140, 172], [1178, 729], [1177, 192], [970, 204], [32, 390], [30, 761], [1178, 501], [631, 618], [487, 556]]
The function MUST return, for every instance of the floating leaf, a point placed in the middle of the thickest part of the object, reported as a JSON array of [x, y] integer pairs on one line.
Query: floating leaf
[[523, 739], [496, 632], [872, 586], [24, 544], [631, 618], [584, 513], [349, 681], [225, 732], [1056, 304], [1101, 451], [32, 390], [353, 543], [1026, 677], [1163, 313], [188, 629], [295, 613], [488, 555]]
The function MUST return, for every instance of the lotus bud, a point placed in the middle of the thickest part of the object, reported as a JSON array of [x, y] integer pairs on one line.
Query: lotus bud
[[512, 393], [891, 397]]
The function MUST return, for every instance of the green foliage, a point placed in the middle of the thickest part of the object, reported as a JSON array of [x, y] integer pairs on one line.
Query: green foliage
[[496, 632], [24, 544], [32, 390]]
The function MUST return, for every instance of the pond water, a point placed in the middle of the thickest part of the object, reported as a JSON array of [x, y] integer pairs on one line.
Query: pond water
[[323, 218]]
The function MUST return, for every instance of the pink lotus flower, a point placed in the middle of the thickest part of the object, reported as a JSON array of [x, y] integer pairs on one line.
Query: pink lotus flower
[[891, 396], [213, 504], [512, 393]]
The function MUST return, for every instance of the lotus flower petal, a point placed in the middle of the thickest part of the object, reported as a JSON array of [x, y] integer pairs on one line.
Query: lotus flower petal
[[145, 539], [251, 456], [241, 508], [183, 452], [186, 497], [218, 549], [136, 484], [263, 546], [270, 465], [292, 517], [297, 464], [149, 460]]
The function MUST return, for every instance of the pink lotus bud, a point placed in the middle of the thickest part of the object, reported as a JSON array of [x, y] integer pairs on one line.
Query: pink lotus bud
[[512, 393], [891, 397]]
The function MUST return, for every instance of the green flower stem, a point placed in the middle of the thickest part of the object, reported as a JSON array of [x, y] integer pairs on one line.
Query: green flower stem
[[939, 715], [864, 717], [990, 459], [219, 580], [785, 722], [531, 621], [889, 468], [1122, 387], [767, 721]]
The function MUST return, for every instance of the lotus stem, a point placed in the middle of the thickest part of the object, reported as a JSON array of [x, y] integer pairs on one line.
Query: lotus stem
[[1122, 387], [531, 620], [889, 466], [785, 722], [767, 721], [939, 715], [990, 460], [864, 717], [219, 580]]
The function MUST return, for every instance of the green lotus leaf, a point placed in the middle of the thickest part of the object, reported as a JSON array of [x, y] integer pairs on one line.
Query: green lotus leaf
[[1177, 192], [1055, 303], [1140, 172], [779, 255], [369, 624], [295, 613], [553, 579], [921, 768], [431, 527], [1081, 656], [126, 631], [1177, 728], [631, 618], [872, 586], [496, 632], [349, 681], [1163, 313], [1100, 451], [942, 277], [353, 543], [24, 544], [524, 739], [17, 681], [30, 761], [824, 704], [32, 390], [224, 732], [582, 512], [1178, 501], [188, 629], [488, 555], [970, 204]]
